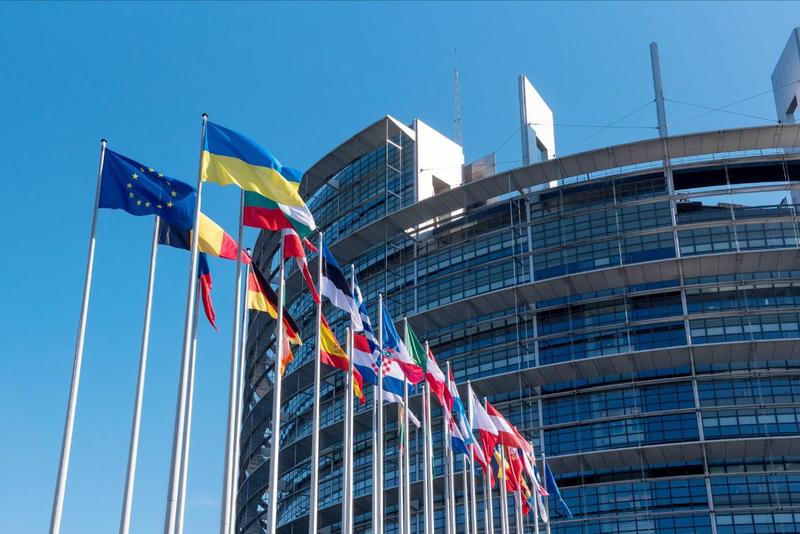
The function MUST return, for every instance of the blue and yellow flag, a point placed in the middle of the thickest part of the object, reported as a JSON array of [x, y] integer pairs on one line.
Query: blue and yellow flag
[[141, 190]]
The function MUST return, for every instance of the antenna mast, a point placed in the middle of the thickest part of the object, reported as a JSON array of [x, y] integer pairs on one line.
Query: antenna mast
[[457, 81]]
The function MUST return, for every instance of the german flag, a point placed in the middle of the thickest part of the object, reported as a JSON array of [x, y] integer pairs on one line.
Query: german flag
[[261, 297], [331, 353]]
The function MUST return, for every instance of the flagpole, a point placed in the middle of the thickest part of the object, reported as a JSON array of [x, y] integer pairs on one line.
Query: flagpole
[[426, 474], [503, 491], [240, 398], [379, 395], [314, 500], [450, 463], [406, 459], [227, 480], [474, 503], [180, 421], [447, 495], [401, 490], [518, 509], [350, 445], [535, 492], [69, 424], [187, 434], [272, 504], [488, 500], [347, 422], [133, 450], [546, 500], [465, 485]]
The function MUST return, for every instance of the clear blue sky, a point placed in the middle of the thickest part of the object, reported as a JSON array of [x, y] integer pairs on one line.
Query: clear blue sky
[[301, 79]]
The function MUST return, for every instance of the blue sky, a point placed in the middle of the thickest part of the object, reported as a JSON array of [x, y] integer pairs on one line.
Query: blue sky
[[300, 78]]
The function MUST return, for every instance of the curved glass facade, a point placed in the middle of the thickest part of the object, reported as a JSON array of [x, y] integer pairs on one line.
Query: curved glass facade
[[641, 328]]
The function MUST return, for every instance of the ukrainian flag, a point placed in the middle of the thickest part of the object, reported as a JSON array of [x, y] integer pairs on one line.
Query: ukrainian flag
[[232, 158]]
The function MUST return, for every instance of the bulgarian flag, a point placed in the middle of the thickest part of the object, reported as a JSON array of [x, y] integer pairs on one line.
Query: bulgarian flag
[[262, 212], [433, 374]]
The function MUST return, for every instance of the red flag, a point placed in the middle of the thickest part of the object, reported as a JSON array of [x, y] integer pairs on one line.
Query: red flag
[[293, 248], [204, 276]]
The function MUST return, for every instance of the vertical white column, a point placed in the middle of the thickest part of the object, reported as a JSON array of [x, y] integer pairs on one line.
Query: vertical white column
[[314, 500]]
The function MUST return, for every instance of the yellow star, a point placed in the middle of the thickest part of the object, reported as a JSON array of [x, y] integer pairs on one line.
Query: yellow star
[[169, 204], [147, 204], [131, 195], [134, 176], [130, 185], [159, 206], [160, 175], [141, 169], [174, 194], [138, 202], [151, 169]]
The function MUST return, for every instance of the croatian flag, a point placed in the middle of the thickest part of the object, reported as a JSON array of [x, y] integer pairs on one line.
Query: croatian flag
[[396, 350], [393, 384]]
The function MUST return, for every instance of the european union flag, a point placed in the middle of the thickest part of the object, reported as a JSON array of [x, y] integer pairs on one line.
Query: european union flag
[[141, 190]]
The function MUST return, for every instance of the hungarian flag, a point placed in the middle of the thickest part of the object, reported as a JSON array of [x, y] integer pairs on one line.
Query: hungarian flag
[[261, 297], [433, 374], [506, 433], [293, 248], [332, 354], [204, 277]]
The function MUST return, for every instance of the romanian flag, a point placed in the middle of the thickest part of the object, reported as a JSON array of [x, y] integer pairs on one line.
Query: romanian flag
[[232, 158], [212, 240], [331, 353], [261, 297]]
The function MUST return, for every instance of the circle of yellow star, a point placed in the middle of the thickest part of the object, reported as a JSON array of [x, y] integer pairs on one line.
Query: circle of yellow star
[[131, 195], [138, 202], [169, 204], [174, 194], [134, 176]]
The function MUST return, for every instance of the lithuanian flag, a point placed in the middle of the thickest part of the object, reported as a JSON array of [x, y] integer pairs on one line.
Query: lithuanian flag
[[232, 158], [331, 353], [261, 297]]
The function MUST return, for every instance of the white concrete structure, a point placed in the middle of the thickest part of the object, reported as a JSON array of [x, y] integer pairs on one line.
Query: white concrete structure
[[785, 77]]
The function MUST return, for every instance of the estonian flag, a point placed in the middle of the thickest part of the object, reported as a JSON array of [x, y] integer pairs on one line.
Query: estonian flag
[[335, 287]]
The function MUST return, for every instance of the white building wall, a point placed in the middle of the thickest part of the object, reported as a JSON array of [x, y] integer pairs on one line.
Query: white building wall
[[786, 72], [439, 161]]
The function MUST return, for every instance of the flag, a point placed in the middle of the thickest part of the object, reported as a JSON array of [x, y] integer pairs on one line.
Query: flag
[[515, 469], [212, 239], [504, 471], [457, 439], [334, 286], [482, 422], [456, 406], [362, 310], [364, 358], [232, 158], [506, 433], [332, 354], [430, 369], [286, 355], [552, 489], [204, 276], [141, 190], [261, 212], [261, 297], [393, 383], [293, 248], [395, 349]]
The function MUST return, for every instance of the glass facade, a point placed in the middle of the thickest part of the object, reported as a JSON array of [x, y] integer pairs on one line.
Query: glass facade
[[692, 426]]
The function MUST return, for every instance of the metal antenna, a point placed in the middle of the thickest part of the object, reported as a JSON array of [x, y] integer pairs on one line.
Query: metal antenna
[[457, 81]]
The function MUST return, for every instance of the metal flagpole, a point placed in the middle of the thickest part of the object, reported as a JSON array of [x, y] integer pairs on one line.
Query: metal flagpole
[[227, 475], [272, 504], [133, 450], [347, 489], [187, 434], [380, 419], [401, 490], [546, 501], [503, 491], [240, 399], [535, 492], [518, 509], [488, 498], [350, 435], [427, 508], [450, 464], [314, 501], [474, 503], [69, 424], [180, 409], [465, 485], [406, 460], [448, 497], [429, 516]]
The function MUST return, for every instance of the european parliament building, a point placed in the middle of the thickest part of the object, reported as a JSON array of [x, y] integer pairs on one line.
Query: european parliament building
[[634, 310]]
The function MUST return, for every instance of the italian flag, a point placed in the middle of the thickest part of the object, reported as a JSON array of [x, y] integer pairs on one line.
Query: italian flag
[[433, 374]]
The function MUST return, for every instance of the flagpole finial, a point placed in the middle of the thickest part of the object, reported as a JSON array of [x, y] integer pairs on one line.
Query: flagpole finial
[[205, 116], [103, 141]]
